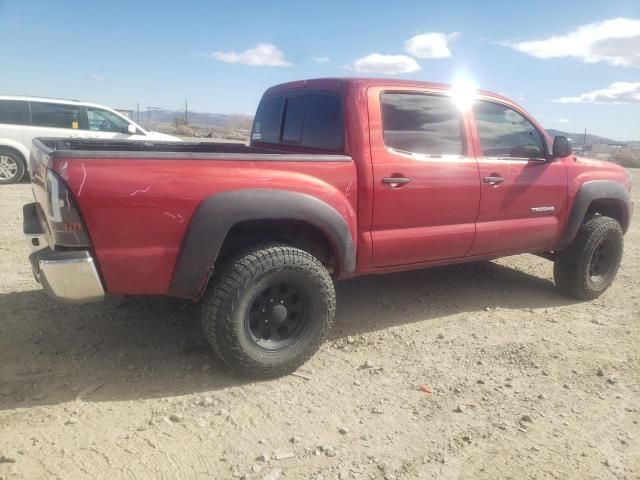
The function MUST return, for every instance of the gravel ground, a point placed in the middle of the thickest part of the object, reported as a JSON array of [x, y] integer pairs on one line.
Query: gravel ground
[[472, 371]]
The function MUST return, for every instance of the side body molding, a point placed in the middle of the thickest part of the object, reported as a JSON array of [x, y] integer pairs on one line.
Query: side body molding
[[590, 191], [217, 214]]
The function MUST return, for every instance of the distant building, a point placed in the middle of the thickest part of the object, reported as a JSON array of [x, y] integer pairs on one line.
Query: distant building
[[126, 113]]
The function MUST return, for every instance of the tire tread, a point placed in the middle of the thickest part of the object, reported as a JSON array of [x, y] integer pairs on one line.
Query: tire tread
[[570, 264], [225, 292]]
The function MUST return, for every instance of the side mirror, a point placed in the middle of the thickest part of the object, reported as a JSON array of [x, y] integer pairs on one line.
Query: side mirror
[[131, 129], [562, 147]]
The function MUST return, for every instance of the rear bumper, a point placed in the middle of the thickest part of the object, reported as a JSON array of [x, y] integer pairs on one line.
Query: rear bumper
[[68, 276]]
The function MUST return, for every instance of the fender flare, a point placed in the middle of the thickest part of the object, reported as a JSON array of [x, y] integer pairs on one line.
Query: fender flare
[[589, 192], [217, 214]]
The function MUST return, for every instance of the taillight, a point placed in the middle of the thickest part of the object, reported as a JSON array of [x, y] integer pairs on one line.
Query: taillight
[[65, 224]]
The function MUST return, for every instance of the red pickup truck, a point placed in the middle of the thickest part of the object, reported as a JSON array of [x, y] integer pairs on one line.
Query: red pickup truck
[[342, 177]]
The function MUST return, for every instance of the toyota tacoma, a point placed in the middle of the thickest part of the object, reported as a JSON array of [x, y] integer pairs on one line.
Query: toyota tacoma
[[342, 177]]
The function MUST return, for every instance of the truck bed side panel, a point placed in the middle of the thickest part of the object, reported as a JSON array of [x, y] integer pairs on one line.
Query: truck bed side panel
[[137, 210]]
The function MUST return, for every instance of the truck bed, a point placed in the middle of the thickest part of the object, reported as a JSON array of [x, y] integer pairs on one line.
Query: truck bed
[[138, 199]]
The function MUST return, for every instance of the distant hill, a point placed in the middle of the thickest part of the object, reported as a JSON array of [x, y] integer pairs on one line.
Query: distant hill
[[578, 138], [199, 119], [200, 124]]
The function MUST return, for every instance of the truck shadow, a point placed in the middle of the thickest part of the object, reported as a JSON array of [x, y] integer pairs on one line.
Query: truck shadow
[[152, 347]]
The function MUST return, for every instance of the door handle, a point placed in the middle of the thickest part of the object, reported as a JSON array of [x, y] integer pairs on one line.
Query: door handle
[[493, 179], [396, 181]]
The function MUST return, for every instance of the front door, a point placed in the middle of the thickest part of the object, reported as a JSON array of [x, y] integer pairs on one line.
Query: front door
[[106, 125], [426, 184], [524, 190]]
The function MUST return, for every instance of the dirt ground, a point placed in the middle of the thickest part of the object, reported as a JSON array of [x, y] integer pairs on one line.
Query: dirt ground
[[522, 382]]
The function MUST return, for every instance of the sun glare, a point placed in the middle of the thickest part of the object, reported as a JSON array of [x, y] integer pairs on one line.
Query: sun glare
[[463, 91]]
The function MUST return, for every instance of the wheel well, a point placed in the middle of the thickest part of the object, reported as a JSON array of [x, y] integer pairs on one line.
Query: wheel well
[[15, 151], [609, 208], [290, 232]]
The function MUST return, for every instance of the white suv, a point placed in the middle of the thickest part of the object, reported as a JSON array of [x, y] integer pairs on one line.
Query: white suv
[[24, 118]]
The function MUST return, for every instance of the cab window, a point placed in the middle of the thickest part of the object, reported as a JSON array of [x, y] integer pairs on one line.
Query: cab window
[[421, 123], [55, 115], [505, 133], [14, 112], [105, 121], [312, 120]]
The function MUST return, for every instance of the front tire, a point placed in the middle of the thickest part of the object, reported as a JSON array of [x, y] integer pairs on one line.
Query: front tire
[[12, 167], [589, 265], [269, 310]]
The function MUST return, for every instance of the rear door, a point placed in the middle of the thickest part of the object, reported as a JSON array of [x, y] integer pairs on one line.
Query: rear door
[[426, 184], [524, 191], [14, 114], [50, 119]]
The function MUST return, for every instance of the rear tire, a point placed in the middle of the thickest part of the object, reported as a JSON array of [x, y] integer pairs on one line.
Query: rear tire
[[268, 310], [589, 265], [12, 167]]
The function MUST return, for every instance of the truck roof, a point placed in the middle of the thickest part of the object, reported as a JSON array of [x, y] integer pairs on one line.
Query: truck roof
[[335, 83]]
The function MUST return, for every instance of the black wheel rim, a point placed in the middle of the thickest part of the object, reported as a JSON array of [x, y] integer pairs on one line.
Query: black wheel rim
[[277, 316], [602, 261]]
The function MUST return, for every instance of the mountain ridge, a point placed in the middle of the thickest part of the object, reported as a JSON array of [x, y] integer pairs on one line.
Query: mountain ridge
[[578, 138]]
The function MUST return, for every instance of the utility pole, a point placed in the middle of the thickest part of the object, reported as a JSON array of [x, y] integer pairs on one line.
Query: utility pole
[[186, 113], [149, 110], [138, 108], [584, 139]]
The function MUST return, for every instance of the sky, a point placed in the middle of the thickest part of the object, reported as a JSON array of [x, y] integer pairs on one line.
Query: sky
[[571, 64]]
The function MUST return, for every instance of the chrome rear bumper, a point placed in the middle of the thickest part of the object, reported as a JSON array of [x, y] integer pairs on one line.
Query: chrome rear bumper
[[67, 276]]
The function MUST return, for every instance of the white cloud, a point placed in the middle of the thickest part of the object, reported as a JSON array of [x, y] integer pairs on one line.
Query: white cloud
[[262, 55], [559, 120], [389, 64], [430, 45], [96, 77], [322, 59], [618, 92], [615, 41]]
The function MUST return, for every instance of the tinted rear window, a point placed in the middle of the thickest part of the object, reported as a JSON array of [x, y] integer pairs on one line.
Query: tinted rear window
[[311, 120], [14, 112], [323, 123], [419, 123], [293, 119], [266, 125], [56, 115]]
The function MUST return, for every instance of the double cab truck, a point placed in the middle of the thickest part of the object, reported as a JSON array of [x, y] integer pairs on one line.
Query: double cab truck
[[342, 177]]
